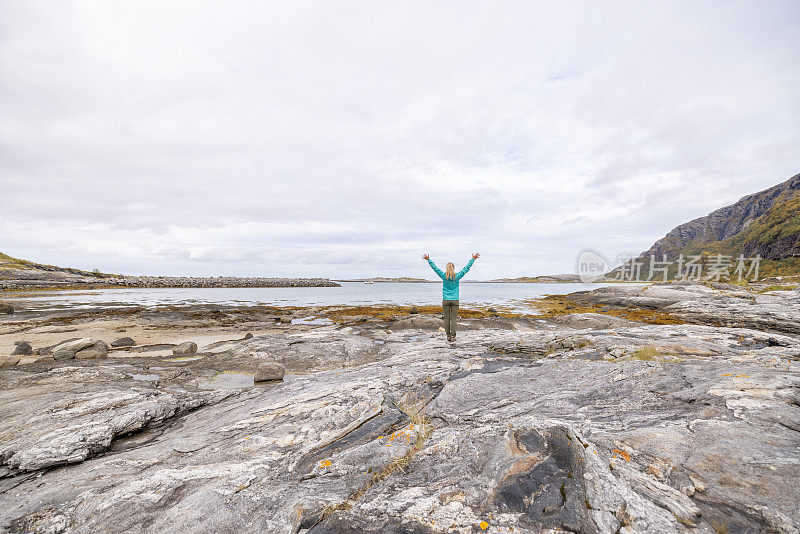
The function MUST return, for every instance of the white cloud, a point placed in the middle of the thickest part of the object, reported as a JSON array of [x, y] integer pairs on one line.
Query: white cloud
[[347, 139]]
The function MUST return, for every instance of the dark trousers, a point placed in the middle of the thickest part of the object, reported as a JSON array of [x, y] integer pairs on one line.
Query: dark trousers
[[450, 308]]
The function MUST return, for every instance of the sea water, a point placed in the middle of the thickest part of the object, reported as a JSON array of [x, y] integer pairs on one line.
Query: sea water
[[510, 295]]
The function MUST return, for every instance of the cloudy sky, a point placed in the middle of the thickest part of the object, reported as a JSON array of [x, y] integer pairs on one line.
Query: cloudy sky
[[345, 139]]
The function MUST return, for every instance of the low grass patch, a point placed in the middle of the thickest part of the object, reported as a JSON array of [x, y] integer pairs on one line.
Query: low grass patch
[[556, 305], [647, 354], [345, 314], [652, 354]]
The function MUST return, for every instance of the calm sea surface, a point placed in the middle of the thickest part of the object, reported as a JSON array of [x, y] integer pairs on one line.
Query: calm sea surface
[[509, 295]]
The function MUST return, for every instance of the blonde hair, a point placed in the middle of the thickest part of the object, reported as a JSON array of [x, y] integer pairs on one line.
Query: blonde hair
[[450, 271]]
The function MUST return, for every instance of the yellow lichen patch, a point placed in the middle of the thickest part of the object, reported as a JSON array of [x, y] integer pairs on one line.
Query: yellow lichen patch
[[483, 525], [556, 305], [621, 454], [325, 463], [402, 435], [344, 314]]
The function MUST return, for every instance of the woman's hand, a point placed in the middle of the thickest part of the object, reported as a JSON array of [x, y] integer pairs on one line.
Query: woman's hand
[[426, 256], [476, 256]]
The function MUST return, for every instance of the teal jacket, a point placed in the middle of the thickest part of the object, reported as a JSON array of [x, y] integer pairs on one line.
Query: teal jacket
[[450, 287]]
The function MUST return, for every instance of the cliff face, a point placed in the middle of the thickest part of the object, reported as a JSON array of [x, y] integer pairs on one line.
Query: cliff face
[[765, 223]]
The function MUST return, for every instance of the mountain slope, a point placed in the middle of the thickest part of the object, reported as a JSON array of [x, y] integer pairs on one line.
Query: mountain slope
[[765, 223]]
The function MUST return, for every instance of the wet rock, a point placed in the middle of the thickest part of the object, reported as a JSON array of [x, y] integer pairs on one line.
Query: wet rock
[[185, 349], [248, 336], [265, 372], [123, 342], [22, 348], [8, 361], [6, 309]]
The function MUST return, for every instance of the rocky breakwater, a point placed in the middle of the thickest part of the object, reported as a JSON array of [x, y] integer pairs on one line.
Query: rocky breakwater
[[572, 423], [20, 274], [221, 281]]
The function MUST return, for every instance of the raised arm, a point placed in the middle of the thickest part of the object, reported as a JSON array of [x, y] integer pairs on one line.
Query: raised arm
[[466, 268], [433, 266]]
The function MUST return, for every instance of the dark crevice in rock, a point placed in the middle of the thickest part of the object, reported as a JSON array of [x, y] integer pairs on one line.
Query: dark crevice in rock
[[329, 521], [388, 420], [148, 433], [119, 443], [791, 425], [551, 493], [10, 482], [384, 422], [722, 517]]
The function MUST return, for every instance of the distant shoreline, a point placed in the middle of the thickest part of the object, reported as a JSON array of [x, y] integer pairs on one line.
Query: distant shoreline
[[159, 282], [17, 286]]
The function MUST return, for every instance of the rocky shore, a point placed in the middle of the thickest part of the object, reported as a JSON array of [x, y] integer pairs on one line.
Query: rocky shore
[[671, 408]]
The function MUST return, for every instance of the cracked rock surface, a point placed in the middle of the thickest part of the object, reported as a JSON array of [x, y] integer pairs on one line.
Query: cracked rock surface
[[524, 426]]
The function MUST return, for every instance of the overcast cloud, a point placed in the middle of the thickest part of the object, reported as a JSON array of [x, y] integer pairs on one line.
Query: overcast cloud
[[345, 139]]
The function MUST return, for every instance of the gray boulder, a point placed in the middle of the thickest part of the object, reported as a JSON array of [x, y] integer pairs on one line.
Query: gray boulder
[[63, 354], [123, 342], [69, 349], [265, 372], [75, 345], [285, 319], [23, 348], [185, 349], [98, 350], [6, 309]]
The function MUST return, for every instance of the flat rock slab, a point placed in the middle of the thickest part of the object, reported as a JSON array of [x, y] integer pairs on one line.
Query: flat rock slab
[[629, 428]]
